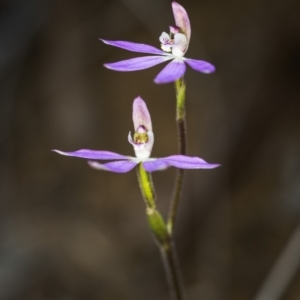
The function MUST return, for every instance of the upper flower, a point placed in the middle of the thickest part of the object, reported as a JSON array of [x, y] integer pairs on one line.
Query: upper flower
[[174, 46], [142, 142]]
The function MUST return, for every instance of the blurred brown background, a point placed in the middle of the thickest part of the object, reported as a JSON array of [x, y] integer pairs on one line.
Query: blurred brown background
[[69, 232]]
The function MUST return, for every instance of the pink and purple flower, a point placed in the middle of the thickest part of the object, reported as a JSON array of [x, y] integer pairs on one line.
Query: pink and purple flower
[[174, 46], [142, 142]]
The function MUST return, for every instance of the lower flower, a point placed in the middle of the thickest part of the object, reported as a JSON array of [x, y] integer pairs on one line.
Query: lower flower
[[142, 143]]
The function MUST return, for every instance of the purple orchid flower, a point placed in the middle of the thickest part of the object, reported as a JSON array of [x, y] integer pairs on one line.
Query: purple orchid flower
[[174, 46], [142, 142]]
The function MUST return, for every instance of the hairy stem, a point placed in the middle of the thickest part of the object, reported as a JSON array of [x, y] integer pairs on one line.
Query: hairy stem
[[161, 235], [170, 261], [182, 145]]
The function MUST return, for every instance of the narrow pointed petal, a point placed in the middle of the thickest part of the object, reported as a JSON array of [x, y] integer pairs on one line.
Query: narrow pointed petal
[[120, 166], [93, 154], [179, 161], [140, 114], [134, 47], [182, 19], [200, 65], [171, 72], [138, 63]]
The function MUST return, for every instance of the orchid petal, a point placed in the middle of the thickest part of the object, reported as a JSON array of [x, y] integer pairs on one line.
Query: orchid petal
[[171, 72], [178, 161], [166, 42], [200, 65], [138, 63], [93, 154], [119, 166], [141, 115], [164, 38], [155, 165], [180, 45], [188, 162], [174, 29], [182, 19], [143, 151], [134, 47]]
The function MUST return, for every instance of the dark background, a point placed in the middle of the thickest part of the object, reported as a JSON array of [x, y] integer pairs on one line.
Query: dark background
[[69, 232]]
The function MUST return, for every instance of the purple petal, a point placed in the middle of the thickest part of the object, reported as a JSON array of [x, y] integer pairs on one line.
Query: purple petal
[[93, 154], [178, 161], [140, 114], [138, 63], [171, 72], [182, 19], [155, 165], [134, 47], [200, 65], [120, 166]]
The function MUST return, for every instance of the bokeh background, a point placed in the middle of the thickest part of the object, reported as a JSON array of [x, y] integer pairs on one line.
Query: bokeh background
[[69, 232]]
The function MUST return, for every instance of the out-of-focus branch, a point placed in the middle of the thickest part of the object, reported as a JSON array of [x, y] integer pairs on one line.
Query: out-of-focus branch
[[283, 271]]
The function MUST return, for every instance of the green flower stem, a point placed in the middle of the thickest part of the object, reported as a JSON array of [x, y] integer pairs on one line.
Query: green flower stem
[[146, 186], [161, 235], [182, 144], [170, 261]]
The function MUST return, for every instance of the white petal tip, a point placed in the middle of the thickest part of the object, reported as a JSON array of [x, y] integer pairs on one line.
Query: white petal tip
[[95, 165], [59, 152], [104, 41], [107, 66], [209, 70], [213, 166]]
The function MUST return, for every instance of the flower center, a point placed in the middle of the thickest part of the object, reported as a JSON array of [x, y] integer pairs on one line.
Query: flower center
[[175, 42], [140, 136], [167, 41]]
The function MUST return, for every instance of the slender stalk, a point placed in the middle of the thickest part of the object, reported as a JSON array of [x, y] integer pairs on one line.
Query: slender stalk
[[182, 145], [170, 261], [161, 235], [146, 186]]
